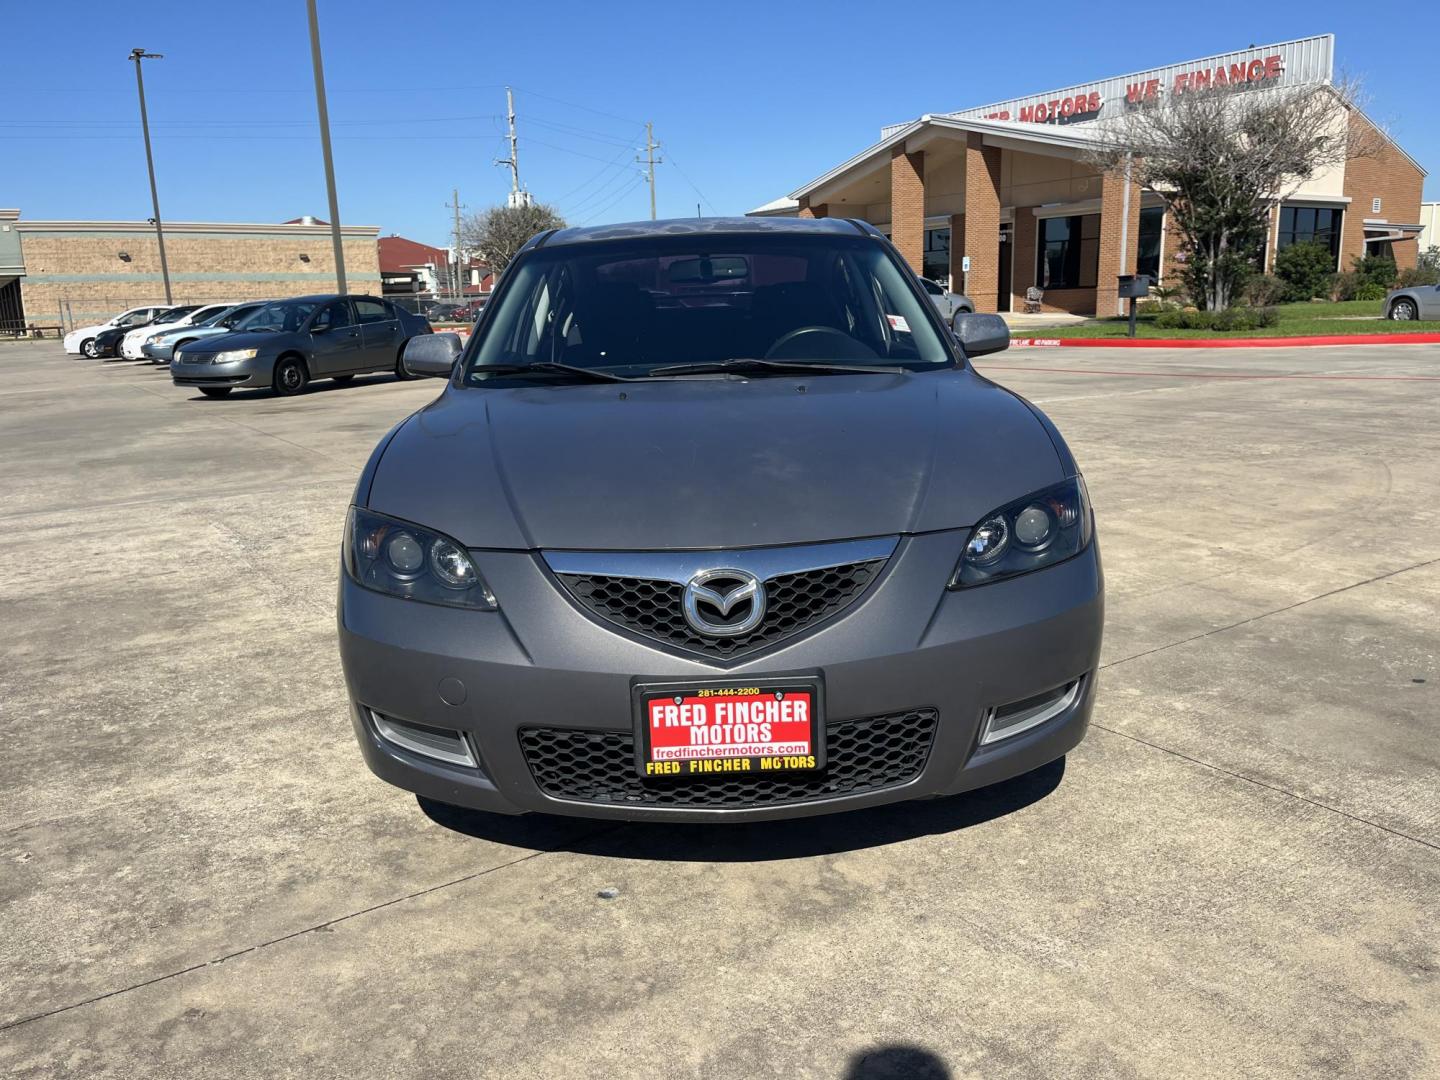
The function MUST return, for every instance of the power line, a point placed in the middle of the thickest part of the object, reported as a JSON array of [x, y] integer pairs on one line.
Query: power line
[[693, 188], [639, 182], [604, 191]]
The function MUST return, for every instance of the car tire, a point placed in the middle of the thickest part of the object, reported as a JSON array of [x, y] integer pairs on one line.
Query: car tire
[[1404, 310], [216, 391], [400, 372], [89, 350], [291, 377]]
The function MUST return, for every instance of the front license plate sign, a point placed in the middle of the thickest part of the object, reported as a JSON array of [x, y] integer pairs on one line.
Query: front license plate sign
[[745, 727]]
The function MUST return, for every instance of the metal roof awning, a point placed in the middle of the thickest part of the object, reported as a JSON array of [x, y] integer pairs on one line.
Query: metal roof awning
[[1382, 232]]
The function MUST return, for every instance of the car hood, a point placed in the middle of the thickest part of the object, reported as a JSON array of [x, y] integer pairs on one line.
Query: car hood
[[255, 339], [711, 463], [190, 331]]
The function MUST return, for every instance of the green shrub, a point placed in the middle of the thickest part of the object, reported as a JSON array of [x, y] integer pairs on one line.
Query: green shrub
[[1377, 268], [1424, 274], [1308, 271], [1345, 285], [1368, 290], [1264, 290], [1231, 319]]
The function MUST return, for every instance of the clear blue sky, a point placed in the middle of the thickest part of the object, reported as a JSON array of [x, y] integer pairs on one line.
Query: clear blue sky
[[748, 99]]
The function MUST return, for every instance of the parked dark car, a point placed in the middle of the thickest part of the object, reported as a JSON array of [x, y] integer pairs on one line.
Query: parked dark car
[[713, 520], [107, 342], [288, 343]]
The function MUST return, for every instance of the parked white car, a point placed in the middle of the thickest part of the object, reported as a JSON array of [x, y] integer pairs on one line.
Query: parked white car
[[81, 340], [948, 303], [133, 345]]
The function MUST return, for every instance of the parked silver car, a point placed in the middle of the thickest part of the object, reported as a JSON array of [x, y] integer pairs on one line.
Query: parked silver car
[[1415, 302], [948, 303], [161, 347]]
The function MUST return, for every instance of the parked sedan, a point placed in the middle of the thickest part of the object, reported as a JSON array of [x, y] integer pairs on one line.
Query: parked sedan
[[1415, 302], [160, 348], [287, 343], [109, 342], [132, 347], [81, 340], [713, 549], [948, 303]]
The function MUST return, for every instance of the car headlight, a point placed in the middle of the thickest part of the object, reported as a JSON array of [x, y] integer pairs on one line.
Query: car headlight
[[233, 355], [415, 563], [1040, 530]]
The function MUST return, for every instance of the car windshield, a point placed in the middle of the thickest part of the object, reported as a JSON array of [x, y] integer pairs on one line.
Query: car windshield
[[283, 316], [628, 307], [235, 318], [211, 317], [176, 314]]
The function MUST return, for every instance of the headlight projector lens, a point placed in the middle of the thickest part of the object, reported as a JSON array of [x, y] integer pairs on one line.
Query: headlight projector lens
[[405, 553], [1032, 527]]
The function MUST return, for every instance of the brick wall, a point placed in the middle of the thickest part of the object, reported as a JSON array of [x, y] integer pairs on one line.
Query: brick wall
[[1116, 256], [1022, 268], [907, 205], [982, 222], [819, 210], [82, 274], [1388, 175]]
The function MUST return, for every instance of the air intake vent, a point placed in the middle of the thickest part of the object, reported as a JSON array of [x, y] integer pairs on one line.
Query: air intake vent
[[1010, 719]]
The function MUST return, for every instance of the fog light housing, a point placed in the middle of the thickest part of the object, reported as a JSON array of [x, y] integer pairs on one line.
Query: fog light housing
[[1005, 721], [440, 744]]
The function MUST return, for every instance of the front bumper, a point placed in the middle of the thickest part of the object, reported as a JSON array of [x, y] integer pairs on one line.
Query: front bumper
[[539, 662], [159, 352], [257, 371]]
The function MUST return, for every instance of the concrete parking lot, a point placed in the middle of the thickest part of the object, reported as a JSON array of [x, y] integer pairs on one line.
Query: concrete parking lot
[[1238, 873]]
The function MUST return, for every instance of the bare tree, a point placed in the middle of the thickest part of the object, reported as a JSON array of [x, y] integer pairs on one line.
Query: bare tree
[[497, 234], [1222, 157]]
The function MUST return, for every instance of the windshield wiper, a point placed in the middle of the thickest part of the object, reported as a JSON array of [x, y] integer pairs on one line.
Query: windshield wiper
[[549, 367], [739, 364]]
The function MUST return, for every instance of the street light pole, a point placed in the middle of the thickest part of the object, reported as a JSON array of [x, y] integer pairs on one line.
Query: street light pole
[[324, 111], [137, 55]]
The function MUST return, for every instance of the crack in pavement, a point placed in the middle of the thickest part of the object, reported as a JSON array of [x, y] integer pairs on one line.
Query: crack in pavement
[[300, 933]]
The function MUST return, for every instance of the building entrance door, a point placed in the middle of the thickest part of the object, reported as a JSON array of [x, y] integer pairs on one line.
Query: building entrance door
[[1003, 288]]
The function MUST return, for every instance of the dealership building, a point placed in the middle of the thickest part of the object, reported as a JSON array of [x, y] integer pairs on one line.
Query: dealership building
[[1007, 188], [69, 273]]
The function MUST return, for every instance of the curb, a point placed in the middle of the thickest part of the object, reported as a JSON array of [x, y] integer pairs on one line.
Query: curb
[[1225, 343]]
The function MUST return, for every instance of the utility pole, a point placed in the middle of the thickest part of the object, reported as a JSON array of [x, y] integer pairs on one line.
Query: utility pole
[[650, 161], [518, 195], [137, 55], [324, 112], [456, 205]]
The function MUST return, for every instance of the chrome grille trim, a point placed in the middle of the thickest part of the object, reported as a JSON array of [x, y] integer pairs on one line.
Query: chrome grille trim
[[680, 566]]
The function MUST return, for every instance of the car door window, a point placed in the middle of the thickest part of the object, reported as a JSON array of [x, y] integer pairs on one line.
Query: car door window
[[372, 311], [332, 316], [931, 287]]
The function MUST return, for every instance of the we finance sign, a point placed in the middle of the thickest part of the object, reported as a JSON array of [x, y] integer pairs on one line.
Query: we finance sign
[[1290, 63]]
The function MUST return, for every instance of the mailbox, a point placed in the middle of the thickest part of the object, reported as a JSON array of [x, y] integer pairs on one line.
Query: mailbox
[[1134, 286]]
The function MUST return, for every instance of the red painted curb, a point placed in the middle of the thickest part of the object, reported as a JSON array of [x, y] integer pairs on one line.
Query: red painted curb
[[1226, 343]]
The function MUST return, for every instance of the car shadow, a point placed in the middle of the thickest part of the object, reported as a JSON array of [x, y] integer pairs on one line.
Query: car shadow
[[896, 1062], [755, 841], [322, 386]]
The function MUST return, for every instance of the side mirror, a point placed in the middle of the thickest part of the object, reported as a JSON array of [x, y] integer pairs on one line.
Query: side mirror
[[432, 354], [980, 335]]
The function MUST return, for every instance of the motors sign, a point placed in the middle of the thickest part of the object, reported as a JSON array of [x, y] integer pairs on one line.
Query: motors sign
[[1290, 63]]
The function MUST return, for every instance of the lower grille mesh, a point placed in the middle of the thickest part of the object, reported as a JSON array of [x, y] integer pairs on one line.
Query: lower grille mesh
[[599, 766]]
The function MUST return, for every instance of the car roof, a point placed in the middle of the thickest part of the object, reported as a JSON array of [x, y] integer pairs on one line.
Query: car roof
[[716, 226]]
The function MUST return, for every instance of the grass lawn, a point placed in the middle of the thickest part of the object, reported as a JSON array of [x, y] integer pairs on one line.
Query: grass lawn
[[1296, 320]]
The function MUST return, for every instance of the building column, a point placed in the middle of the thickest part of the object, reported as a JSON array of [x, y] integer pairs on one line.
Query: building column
[[1116, 259], [1172, 254], [1023, 258], [907, 205], [819, 210], [957, 250], [982, 222]]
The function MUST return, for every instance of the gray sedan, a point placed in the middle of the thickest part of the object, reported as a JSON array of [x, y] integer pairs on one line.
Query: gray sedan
[[948, 303], [287, 343], [713, 520], [1415, 302]]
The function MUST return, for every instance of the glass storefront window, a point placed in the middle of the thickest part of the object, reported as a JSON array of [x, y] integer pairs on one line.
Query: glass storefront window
[[937, 255], [1152, 227], [1069, 256]]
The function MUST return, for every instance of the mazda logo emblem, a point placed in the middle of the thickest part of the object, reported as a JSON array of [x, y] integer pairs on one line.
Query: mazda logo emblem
[[731, 590]]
